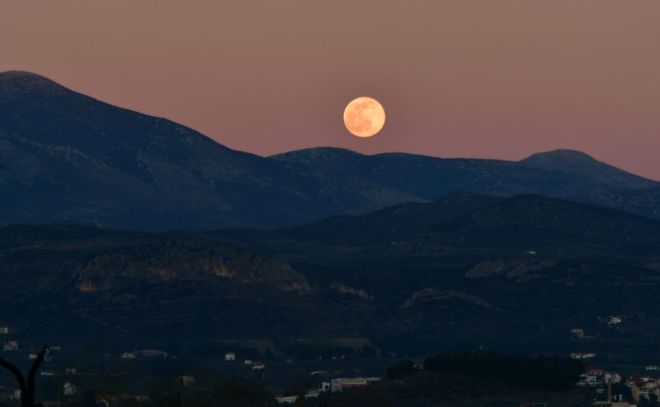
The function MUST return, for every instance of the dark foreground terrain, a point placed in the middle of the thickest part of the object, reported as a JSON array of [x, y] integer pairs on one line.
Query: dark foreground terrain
[[464, 272]]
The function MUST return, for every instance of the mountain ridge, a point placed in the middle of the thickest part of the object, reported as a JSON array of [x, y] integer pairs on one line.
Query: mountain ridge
[[68, 158]]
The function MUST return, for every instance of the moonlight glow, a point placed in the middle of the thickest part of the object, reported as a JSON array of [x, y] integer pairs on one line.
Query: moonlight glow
[[364, 117]]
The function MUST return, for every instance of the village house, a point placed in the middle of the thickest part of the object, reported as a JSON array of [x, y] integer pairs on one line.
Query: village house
[[187, 381], [153, 353], [258, 366], [345, 383], [286, 399], [4, 330], [583, 355], [69, 389], [128, 355], [643, 386], [325, 387], [595, 377], [10, 346], [312, 394], [230, 357], [15, 395]]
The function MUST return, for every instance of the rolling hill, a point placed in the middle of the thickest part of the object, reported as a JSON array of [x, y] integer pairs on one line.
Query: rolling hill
[[460, 272], [68, 158]]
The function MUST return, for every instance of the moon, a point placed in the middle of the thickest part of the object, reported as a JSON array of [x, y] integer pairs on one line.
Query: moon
[[364, 117]]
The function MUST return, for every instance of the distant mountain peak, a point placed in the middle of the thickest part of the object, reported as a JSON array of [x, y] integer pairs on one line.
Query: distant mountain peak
[[564, 155], [319, 156], [577, 162], [317, 152], [27, 82]]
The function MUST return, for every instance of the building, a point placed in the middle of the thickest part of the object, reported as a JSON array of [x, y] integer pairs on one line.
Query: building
[[15, 395], [128, 355], [578, 333], [4, 330], [258, 366], [312, 394], [69, 389], [643, 386], [187, 381], [47, 373], [325, 387], [595, 377], [583, 355], [153, 353], [247, 362], [345, 383], [230, 357], [10, 346]]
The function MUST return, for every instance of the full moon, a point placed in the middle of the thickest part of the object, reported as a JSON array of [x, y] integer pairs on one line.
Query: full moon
[[364, 117]]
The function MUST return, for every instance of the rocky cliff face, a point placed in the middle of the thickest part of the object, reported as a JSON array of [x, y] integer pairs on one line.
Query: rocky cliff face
[[193, 260]]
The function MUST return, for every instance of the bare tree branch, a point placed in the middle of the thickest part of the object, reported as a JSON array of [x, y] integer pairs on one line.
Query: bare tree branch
[[27, 389], [35, 368], [16, 372]]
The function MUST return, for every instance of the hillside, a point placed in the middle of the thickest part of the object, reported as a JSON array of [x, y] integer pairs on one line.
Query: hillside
[[458, 273], [68, 158]]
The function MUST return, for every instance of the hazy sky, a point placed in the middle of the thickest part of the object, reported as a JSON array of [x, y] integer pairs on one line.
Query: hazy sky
[[476, 78]]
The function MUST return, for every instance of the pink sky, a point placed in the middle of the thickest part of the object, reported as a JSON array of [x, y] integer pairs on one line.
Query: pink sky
[[471, 78]]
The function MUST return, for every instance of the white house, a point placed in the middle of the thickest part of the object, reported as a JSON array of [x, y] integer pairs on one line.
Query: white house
[[69, 389], [230, 357], [128, 355], [10, 346], [153, 353], [187, 381], [581, 355]]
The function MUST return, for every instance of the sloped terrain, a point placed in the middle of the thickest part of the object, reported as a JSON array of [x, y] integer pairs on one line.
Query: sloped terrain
[[462, 272], [68, 158]]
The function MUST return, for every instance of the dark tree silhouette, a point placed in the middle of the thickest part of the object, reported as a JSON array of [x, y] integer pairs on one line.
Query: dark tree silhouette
[[27, 386]]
